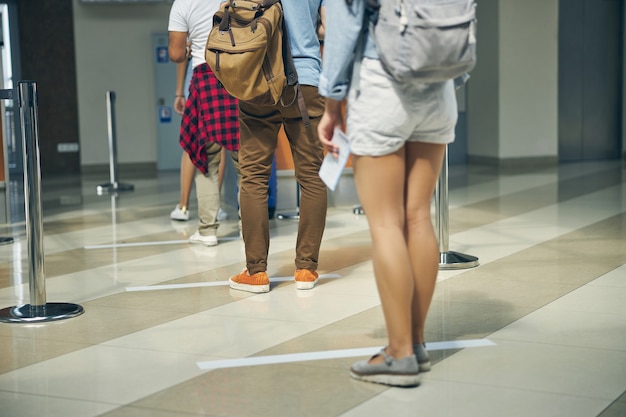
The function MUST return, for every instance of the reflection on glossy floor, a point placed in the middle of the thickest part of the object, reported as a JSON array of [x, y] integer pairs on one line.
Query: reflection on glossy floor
[[549, 294]]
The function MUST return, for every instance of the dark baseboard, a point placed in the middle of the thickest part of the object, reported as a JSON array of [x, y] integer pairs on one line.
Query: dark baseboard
[[513, 165], [129, 170]]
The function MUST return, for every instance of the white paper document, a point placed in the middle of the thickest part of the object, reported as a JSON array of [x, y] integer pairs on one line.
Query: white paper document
[[332, 167]]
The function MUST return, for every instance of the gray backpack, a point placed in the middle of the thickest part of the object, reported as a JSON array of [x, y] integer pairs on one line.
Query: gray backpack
[[425, 40]]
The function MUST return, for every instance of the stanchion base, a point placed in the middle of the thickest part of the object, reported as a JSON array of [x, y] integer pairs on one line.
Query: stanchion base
[[118, 186], [358, 210], [288, 216], [456, 260], [28, 313]]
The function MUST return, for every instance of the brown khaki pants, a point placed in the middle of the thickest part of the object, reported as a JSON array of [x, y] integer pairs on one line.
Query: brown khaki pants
[[258, 141]]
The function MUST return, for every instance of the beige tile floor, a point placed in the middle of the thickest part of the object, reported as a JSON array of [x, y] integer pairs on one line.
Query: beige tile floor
[[549, 296]]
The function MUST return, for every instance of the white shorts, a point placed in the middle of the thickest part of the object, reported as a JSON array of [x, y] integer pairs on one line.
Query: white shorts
[[387, 114]]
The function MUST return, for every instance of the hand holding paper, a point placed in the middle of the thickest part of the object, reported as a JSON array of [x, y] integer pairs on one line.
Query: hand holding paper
[[332, 167]]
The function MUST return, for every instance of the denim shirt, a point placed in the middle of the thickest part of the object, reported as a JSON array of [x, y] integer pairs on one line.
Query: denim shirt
[[344, 25]]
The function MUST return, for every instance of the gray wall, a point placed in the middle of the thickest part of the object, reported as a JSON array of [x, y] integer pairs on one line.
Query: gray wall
[[114, 52], [513, 93]]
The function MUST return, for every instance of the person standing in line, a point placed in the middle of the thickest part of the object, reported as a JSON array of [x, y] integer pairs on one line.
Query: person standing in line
[[184, 71], [210, 118], [398, 135], [259, 135]]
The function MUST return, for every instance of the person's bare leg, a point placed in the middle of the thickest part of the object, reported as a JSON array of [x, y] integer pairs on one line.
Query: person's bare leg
[[380, 183], [187, 175], [423, 162]]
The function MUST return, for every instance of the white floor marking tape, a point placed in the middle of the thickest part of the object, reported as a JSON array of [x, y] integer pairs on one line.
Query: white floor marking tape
[[331, 354], [212, 284], [163, 242]]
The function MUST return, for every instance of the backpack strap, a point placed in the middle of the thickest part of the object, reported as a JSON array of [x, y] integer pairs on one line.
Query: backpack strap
[[290, 67], [370, 17], [292, 80], [304, 113]]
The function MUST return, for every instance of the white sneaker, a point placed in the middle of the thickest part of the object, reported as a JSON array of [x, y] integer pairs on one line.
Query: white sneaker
[[210, 240], [180, 213], [222, 215]]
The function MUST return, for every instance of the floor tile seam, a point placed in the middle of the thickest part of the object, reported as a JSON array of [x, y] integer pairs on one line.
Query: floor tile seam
[[498, 386], [548, 307], [179, 413], [607, 286], [73, 344], [621, 399], [495, 303], [534, 307], [320, 324], [496, 339], [118, 307], [58, 397], [193, 357]]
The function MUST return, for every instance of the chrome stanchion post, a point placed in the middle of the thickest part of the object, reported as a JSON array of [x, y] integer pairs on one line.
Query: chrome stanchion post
[[113, 185], [447, 259], [296, 214], [38, 309]]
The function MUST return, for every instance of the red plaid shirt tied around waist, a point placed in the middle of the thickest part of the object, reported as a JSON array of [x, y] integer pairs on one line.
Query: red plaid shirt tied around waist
[[211, 115]]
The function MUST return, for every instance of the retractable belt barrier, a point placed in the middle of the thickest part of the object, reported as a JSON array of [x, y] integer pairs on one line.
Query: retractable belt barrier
[[447, 259], [38, 310], [113, 185]]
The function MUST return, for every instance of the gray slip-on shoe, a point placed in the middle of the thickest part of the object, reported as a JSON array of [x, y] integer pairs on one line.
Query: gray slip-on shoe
[[423, 360], [395, 372]]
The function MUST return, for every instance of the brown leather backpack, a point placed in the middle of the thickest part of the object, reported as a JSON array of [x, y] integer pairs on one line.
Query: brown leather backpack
[[248, 51]]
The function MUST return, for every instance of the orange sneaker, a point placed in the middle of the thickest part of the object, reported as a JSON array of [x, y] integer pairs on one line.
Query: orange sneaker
[[243, 281], [306, 279]]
